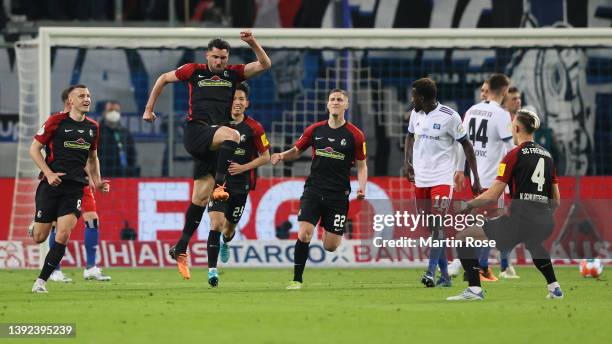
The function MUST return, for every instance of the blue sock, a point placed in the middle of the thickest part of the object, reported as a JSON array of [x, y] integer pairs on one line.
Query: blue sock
[[91, 242], [435, 252], [504, 260], [483, 255], [443, 264], [51, 243]]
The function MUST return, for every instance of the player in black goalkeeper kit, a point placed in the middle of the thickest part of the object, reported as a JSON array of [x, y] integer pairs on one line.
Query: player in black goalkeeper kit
[[529, 171], [208, 138], [252, 152], [336, 146], [71, 139]]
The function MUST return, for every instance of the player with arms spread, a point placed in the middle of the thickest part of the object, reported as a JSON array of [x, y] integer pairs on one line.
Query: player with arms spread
[[72, 139], [429, 162], [336, 146], [252, 152], [208, 138], [529, 171]]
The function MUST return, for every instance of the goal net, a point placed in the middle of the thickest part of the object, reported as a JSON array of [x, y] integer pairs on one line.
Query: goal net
[[563, 74]]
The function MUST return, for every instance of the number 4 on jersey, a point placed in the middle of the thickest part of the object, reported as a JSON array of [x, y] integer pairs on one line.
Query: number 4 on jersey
[[538, 175]]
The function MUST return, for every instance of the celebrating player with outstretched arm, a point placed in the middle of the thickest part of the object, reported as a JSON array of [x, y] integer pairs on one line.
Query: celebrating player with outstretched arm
[[336, 145], [252, 152], [529, 170], [430, 163], [72, 139], [208, 138]]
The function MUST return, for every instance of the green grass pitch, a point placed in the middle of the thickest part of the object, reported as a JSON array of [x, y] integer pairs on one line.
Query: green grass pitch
[[335, 306]]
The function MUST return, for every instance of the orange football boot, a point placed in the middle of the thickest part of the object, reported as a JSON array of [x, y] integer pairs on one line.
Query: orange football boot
[[183, 267], [219, 193]]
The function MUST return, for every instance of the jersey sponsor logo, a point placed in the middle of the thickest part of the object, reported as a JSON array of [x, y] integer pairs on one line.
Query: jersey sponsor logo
[[78, 144], [429, 137], [239, 151], [264, 140], [437, 126], [41, 130], [329, 152], [215, 81], [501, 170]]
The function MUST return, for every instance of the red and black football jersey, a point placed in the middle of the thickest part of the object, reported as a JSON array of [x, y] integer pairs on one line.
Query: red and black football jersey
[[210, 94], [68, 143], [529, 170], [253, 141], [334, 152]]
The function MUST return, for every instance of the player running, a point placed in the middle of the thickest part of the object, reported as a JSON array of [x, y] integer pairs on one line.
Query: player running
[[336, 145], [208, 138], [91, 219], [429, 162], [72, 138], [252, 152], [529, 170], [488, 126]]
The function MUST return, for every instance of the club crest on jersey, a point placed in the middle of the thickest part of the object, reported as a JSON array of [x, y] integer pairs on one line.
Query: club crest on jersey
[[225, 73], [343, 142], [215, 81], [41, 130], [437, 126], [242, 138], [90, 133], [329, 152], [78, 144]]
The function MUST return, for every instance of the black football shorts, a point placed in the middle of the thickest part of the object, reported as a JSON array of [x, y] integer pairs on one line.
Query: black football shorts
[[508, 231], [233, 207], [56, 201], [197, 139], [332, 212]]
